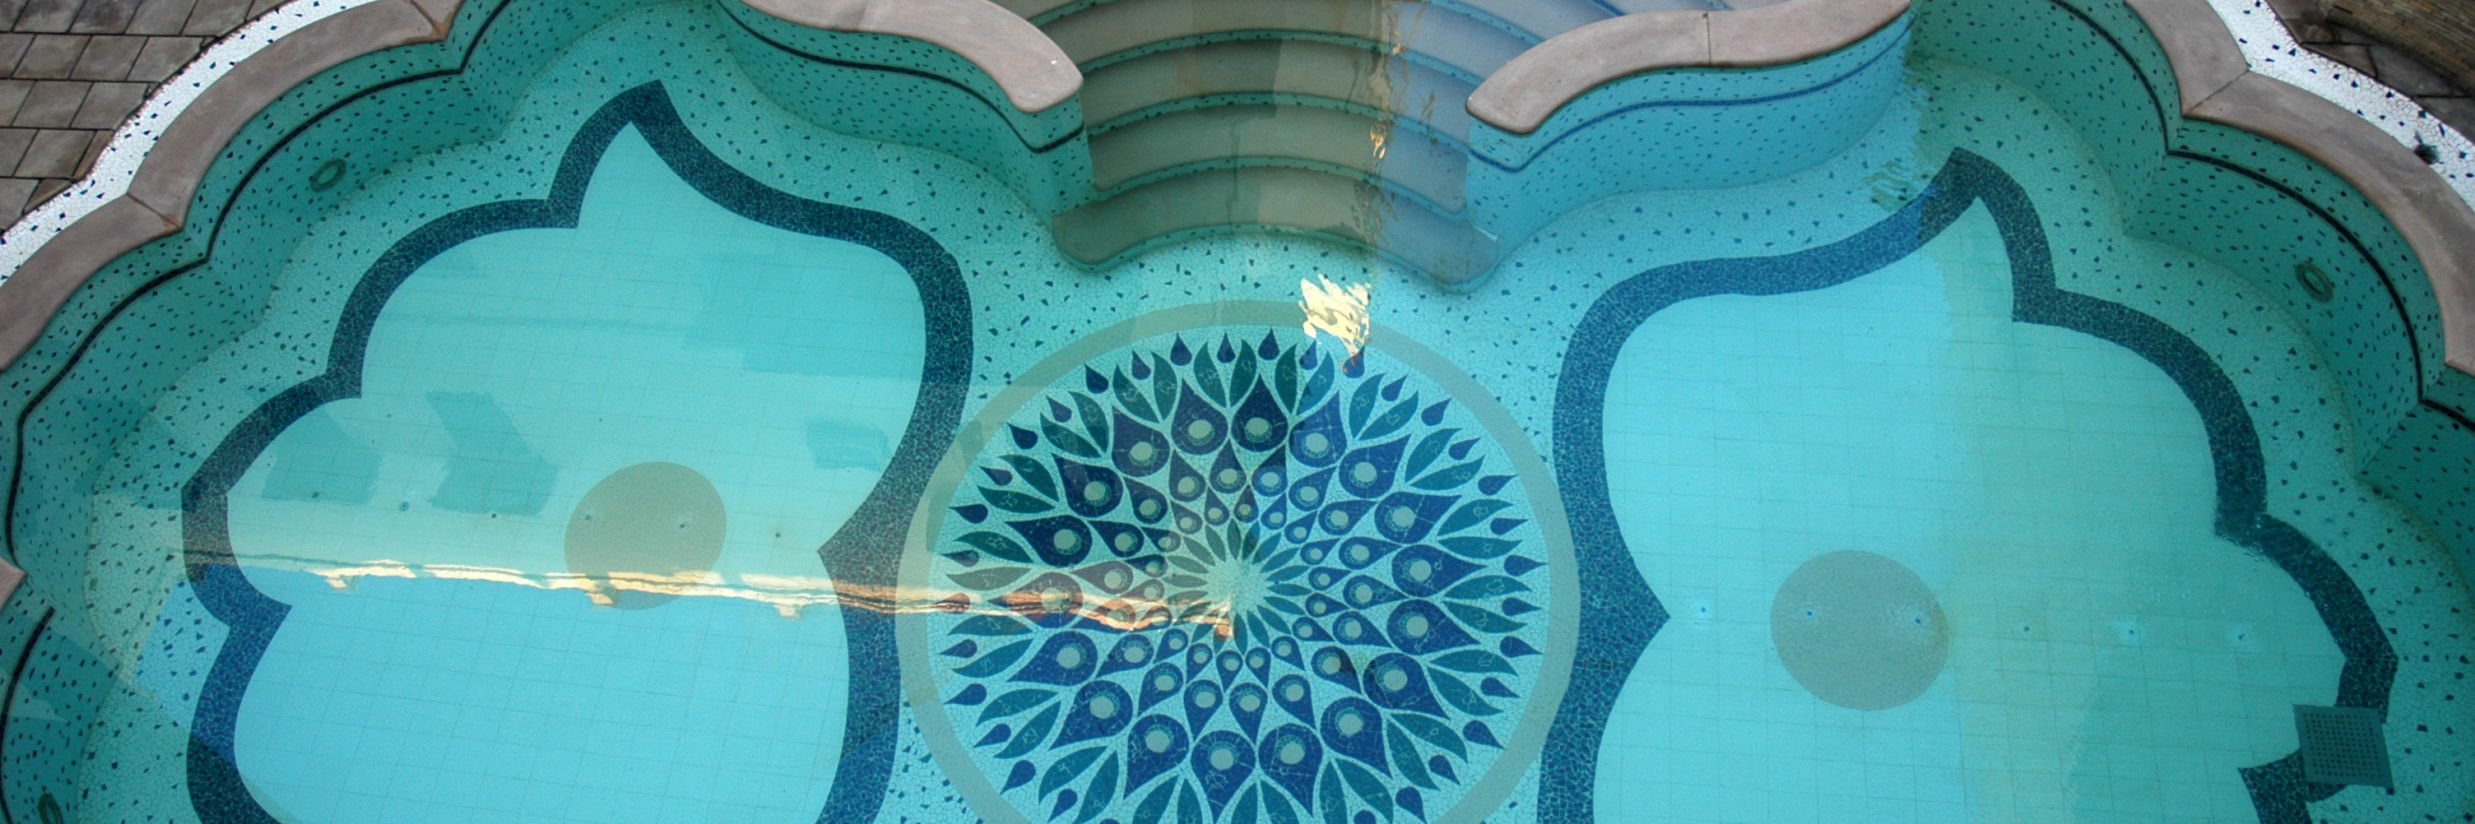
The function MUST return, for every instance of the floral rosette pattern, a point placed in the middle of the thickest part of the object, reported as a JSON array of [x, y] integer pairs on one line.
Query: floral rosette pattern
[[1243, 578]]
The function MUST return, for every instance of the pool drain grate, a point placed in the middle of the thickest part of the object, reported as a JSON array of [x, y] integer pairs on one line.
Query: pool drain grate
[[2342, 745]]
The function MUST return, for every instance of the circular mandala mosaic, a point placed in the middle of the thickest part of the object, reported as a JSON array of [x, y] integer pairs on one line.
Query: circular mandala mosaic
[[1232, 573]]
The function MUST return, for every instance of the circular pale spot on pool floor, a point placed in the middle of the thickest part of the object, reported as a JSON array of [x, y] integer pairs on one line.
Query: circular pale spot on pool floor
[[643, 529], [1859, 630]]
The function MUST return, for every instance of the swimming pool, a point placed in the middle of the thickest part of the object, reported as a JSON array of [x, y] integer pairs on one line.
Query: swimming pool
[[662, 411]]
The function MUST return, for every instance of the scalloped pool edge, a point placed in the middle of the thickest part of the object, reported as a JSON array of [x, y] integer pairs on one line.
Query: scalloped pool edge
[[144, 183], [140, 189]]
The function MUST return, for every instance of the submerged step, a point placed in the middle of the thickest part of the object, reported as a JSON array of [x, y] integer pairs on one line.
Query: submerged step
[[1281, 135], [1281, 69], [1283, 199]]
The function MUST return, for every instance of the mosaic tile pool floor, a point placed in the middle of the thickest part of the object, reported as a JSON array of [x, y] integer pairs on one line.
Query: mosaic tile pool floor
[[1908, 487]]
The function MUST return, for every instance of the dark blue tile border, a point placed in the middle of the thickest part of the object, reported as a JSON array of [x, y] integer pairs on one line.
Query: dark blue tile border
[[77, 355], [1625, 614], [861, 557], [94, 332]]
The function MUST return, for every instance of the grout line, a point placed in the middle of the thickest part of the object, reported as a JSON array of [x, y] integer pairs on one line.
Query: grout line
[[2203, 102]]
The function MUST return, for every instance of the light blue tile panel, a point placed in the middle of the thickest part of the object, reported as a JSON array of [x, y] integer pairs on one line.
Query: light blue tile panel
[[2052, 489], [771, 366], [503, 380], [439, 700]]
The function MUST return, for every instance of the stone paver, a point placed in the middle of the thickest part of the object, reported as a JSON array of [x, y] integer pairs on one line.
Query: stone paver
[[52, 104], [160, 17], [107, 104], [12, 95], [2392, 66], [107, 57], [104, 16], [14, 192], [51, 57], [214, 17], [163, 56], [2458, 112], [54, 153], [13, 46], [2401, 71], [2360, 57], [95, 142], [47, 15], [71, 71], [13, 143]]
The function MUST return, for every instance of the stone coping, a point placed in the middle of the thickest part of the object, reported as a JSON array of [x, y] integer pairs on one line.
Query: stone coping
[[10, 577], [2218, 85], [1033, 70], [156, 203], [1519, 97], [2215, 81]]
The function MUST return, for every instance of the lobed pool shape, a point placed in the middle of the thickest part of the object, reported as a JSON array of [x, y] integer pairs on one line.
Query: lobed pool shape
[[1278, 413]]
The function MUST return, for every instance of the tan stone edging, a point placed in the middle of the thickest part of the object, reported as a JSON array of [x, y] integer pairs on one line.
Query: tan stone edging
[[2219, 86], [157, 201], [10, 577], [1033, 70], [2216, 84], [1519, 97]]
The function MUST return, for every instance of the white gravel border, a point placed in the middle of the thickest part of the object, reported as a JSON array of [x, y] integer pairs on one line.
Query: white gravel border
[[2272, 51], [2267, 46], [119, 161]]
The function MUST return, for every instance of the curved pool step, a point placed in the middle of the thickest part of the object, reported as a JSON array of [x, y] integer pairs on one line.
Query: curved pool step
[[1304, 201], [1540, 19], [1339, 118], [1386, 108], [1544, 20], [1265, 134], [1095, 35], [1314, 72]]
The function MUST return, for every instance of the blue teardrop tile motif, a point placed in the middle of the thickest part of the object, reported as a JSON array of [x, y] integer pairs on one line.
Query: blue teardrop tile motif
[[1289, 568]]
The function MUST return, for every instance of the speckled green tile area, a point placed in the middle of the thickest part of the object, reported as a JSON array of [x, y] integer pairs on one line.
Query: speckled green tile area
[[1525, 553]]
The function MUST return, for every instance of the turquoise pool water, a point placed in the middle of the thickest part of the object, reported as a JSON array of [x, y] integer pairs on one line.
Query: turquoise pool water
[[638, 449]]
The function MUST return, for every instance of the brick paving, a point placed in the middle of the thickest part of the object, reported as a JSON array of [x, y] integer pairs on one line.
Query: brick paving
[[72, 70]]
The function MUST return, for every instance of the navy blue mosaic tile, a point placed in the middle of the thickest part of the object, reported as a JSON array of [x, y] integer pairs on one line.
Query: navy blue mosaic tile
[[1610, 580], [860, 556]]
